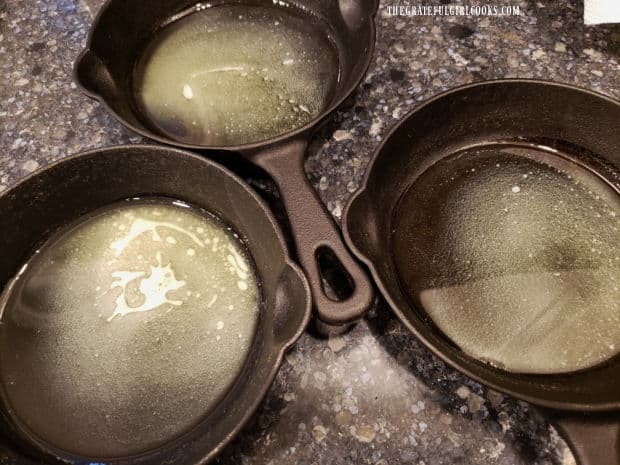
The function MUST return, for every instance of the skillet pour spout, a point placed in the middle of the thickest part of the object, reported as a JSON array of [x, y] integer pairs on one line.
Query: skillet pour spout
[[106, 70], [554, 120]]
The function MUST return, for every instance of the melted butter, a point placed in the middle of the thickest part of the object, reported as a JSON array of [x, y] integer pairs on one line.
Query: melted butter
[[127, 327], [515, 259], [235, 74]]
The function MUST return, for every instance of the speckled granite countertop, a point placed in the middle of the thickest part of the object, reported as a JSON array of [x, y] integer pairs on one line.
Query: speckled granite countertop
[[375, 395]]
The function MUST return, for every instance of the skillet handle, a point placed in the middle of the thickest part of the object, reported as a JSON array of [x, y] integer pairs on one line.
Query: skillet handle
[[316, 236], [594, 439]]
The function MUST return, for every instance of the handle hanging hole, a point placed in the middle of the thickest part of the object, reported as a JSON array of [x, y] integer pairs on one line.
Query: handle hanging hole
[[337, 282]]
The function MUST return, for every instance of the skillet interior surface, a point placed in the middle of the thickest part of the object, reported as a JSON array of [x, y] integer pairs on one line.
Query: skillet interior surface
[[541, 120], [64, 191]]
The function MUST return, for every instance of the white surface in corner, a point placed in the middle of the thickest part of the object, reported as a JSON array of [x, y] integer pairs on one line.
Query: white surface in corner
[[601, 11]]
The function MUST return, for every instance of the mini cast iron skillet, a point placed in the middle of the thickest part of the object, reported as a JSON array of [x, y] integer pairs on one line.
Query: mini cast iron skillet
[[584, 126], [62, 192], [104, 71]]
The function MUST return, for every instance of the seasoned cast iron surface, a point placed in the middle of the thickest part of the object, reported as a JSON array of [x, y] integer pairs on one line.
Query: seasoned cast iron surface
[[375, 395]]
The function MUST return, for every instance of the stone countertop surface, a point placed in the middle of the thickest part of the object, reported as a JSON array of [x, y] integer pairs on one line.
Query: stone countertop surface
[[374, 395]]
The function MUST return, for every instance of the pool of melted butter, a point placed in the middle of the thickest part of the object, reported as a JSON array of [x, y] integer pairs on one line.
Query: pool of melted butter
[[514, 254], [234, 74]]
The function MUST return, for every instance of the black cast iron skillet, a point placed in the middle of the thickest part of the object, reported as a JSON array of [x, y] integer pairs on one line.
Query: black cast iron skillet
[[64, 191], [583, 125], [104, 71]]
